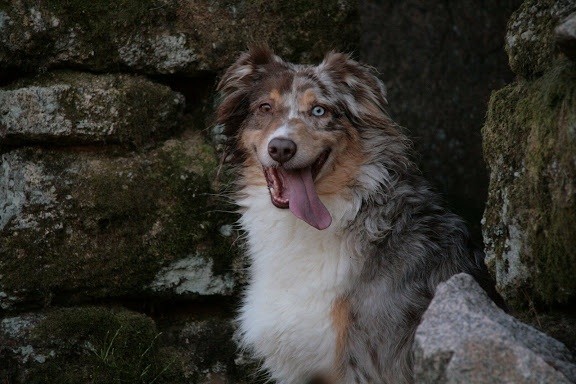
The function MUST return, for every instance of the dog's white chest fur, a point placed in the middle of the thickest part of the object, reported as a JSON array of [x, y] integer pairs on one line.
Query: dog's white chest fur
[[297, 272]]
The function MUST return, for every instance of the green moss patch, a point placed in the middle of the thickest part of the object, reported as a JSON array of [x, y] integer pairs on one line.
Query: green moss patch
[[531, 44], [101, 22], [530, 144], [298, 30], [117, 221], [99, 345]]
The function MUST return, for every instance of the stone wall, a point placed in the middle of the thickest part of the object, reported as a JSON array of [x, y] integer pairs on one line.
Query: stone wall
[[119, 257]]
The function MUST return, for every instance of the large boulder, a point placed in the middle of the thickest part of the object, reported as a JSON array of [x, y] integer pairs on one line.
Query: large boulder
[[530, 147], [465, 338], [166, 36]]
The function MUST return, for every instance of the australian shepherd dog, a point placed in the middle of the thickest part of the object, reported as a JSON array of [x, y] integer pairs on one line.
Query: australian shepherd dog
[[347, 242]]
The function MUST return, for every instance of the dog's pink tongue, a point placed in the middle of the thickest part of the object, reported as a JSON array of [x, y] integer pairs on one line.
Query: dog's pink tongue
[[304, 202]]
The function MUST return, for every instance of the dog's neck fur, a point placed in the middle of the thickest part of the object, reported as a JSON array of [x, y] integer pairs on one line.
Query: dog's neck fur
[[297, 272]]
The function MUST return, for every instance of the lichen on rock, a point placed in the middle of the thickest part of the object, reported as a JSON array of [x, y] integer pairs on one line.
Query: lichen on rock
[[110, 223], [75, 107], [167, 36], [530, 41], [530, 146], [193, 275]]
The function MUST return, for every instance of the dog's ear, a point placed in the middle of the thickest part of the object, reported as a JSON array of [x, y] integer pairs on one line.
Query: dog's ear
[[237, 83], [247, 68], [361, 93]]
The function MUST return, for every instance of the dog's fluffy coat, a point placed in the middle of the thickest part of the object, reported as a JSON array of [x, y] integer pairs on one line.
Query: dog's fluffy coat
[[338, 305]]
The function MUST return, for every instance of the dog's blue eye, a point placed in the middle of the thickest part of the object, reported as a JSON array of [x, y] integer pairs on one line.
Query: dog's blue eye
[[318, 111]]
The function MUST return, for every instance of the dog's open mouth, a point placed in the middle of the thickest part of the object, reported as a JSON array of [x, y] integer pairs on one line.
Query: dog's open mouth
[[295, 189]]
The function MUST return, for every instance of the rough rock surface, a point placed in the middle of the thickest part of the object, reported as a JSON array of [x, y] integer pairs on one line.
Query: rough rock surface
[[465, 338], [530, 41], [440, 61], [166, 36], [118, 258], [530, 147], [75, 107], [85, 224]]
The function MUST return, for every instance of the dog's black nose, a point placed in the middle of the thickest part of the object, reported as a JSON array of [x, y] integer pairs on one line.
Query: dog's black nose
[[281, 150]]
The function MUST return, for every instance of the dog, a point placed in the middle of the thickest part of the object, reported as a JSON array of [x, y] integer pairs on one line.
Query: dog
[[347, 241]]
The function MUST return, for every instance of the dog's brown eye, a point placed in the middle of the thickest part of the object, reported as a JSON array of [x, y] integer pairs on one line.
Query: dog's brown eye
[[318, 111], [265, 107]]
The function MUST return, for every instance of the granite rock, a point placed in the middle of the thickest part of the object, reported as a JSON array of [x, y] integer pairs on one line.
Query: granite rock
[[466, 338]]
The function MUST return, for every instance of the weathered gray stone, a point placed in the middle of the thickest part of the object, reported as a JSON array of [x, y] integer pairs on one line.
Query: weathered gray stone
[[166, 36], [566, 36], [530, 40], [16, 333], [193, 275], [465, 338], [530, 217], [71, 107], [77, 225]]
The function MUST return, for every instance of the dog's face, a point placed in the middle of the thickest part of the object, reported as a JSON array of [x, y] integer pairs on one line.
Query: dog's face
[[297, 126]]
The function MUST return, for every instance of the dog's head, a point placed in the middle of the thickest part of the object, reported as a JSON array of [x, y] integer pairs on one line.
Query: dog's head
[[299, 127]]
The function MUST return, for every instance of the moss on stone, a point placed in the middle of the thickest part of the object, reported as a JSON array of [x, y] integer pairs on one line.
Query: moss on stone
[[119, 220], [100, 345], [497, 141], [69, 107], [530, 144], [551, 178], [530, 41], [298, 30], [172, 36], [101, 22], [144, 110]]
